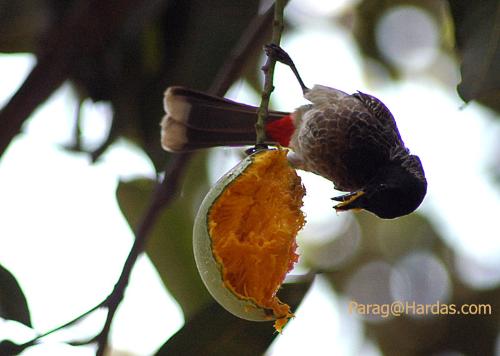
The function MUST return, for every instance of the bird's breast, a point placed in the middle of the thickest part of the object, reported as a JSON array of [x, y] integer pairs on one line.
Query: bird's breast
[[336, 140]]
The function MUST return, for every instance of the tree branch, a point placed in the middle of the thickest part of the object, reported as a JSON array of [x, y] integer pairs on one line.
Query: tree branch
[[87, 28], [162, 196], [268, 69]]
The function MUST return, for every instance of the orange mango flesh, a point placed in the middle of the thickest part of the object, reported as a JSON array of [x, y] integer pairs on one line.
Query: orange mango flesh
[[253, 225]]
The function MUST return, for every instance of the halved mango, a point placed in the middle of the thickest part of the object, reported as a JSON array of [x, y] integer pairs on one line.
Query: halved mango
[[244, 236]]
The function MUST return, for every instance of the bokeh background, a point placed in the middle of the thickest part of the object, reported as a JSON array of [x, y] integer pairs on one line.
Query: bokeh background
[[89, 79]]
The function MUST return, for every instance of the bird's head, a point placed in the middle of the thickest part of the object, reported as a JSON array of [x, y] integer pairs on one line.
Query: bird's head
[[396, 190]]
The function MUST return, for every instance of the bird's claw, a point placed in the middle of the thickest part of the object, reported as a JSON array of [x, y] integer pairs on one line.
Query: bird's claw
[[277, 53]]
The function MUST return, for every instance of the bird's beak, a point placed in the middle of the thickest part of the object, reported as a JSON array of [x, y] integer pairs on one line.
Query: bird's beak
[[349, 201]]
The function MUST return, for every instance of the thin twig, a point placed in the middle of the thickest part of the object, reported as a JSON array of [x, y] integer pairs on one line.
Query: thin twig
[[268, 69], [60, 327], [162, 196]]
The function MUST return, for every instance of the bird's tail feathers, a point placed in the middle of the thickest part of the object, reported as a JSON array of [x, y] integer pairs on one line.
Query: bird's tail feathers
[[196, 120]]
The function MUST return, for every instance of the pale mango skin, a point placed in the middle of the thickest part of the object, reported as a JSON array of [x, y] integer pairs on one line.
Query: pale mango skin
[[209, 269]]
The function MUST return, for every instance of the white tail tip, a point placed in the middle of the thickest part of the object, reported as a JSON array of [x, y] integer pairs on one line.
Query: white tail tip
[[173, 129]]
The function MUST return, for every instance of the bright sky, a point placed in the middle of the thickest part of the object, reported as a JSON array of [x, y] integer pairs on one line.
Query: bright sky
[[64, 238]]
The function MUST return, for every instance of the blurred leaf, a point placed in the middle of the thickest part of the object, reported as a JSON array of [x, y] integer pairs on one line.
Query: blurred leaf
[[125, 52], [368, 15], [181, 42], [218, 332], [21, 22], [253, 74], [390, 241], [84, 30], [170, 243], [477, 31], [396, 238], [439, 334], [13, 303], [8, 348], [334, 252]]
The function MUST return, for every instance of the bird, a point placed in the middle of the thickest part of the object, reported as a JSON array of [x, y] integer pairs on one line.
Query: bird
[[350, 139]]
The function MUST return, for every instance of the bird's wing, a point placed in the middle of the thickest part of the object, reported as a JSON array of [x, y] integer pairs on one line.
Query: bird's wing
[[378, 109]]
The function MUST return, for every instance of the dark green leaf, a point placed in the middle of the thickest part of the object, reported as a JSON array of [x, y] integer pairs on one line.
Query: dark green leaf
[[477, 31], [170, 243], [184, 43], [22, 22], [8, 348], [214, 331], [13, 303], [124, 52]]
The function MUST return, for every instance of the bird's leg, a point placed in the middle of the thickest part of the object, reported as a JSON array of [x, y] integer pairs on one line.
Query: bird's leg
[[279, 54]]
